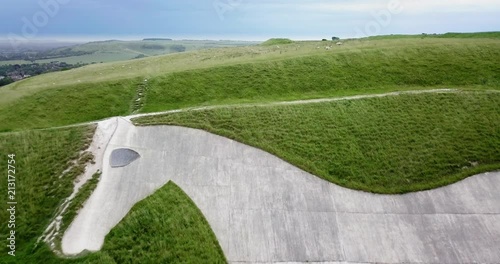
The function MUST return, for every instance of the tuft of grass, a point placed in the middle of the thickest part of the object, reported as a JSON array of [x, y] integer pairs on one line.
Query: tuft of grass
[[85, 158], [277, 41], [390, 145]]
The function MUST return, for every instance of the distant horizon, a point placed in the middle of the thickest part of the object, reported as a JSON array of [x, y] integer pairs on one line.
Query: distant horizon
[[87, 39], [257, 20]]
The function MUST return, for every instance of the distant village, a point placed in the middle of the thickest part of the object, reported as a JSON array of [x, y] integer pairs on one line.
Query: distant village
[[16, 72]]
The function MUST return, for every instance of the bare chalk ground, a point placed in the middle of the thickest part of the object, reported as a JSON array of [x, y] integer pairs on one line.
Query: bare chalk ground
[[264, 210], [102, 136]]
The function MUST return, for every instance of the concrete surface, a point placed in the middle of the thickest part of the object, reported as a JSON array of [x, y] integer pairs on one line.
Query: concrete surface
[[264, 210]]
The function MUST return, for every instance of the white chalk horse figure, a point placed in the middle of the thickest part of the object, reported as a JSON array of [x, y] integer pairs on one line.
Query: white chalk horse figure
[[264, 210]]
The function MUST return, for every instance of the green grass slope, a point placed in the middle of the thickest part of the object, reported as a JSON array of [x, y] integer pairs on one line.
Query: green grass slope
[[250, 74], [492, 34], [41, 157], [394, 144], [329, 74], [162, 65], [64, 106], [166, 227]]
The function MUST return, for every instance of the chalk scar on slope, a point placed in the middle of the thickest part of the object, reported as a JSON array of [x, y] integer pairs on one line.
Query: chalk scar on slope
[[263, 209]]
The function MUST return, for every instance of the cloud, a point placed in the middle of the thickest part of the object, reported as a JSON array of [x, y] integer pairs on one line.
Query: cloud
[[293, 18], [313, 6], [450, 6], [419, 6]]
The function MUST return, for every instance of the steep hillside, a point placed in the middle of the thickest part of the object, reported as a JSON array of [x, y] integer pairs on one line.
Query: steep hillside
[[301, 70]]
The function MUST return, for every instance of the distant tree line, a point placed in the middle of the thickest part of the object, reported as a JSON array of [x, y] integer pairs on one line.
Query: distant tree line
[[5, 80], [157, 39], [172, 48], [177, 48], [140, 56], [153, 46]]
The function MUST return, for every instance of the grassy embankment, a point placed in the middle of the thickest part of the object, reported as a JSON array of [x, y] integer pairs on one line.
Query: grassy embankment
[[394, 144], [176, 230], [250, 74]]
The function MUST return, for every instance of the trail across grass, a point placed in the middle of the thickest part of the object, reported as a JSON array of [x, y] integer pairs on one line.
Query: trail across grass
[[393, 144]]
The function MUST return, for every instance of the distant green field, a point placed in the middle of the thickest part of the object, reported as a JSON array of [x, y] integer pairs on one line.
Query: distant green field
[[12, 62], [111, 51], [394, 144], [302, 70]]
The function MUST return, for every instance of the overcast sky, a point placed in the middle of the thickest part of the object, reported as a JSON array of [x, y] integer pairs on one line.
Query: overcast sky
[[243, 19]]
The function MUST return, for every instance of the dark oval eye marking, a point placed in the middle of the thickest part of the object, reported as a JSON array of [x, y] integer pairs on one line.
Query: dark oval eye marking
[[123, 157]]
